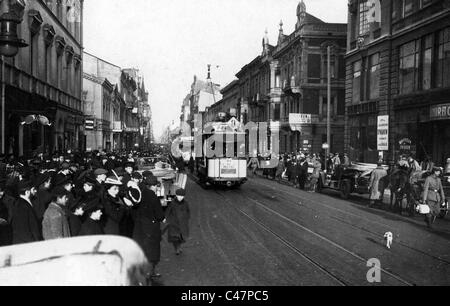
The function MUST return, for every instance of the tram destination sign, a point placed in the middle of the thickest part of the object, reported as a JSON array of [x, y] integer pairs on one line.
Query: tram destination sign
[[440, 112]]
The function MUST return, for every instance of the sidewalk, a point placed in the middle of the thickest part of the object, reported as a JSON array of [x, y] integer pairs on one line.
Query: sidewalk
[[386, 199]]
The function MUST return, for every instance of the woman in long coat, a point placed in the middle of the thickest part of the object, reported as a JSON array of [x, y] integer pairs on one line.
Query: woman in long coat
[[147, 227], [114, 207]]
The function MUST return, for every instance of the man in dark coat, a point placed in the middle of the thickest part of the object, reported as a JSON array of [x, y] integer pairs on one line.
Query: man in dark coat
[[147, 229], [43, 197], [5, 224], [25, 224], [178, 215]]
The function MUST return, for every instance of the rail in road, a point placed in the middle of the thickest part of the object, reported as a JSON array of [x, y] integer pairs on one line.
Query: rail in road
[[318, 263]]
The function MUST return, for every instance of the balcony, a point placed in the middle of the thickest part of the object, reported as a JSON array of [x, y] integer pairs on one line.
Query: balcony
[[292, 87]]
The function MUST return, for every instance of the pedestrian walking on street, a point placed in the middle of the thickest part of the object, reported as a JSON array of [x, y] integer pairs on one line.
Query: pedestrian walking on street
[[5, 222], [115, 208], [253, 164], [433, 196], [375, 184], [92, 226], [56, 220], [25, 224], [315, 175], [147, 228], [178, 215]]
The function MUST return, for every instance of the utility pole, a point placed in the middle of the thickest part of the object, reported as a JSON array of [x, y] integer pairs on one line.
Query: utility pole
[[328, 107]]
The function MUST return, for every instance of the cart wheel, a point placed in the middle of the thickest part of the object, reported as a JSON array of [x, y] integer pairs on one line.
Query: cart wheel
[[345, 190]]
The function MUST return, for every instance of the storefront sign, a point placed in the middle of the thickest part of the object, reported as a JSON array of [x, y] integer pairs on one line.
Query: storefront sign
[[440, 112], [383, 133], [297, 120]]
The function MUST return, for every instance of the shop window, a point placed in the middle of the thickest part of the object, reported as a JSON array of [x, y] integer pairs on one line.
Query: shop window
[[443, 63], [409, 67], [357, 81], [374, 77]]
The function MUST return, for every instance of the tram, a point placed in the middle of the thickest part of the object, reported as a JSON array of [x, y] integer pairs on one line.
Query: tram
[[223, 161]]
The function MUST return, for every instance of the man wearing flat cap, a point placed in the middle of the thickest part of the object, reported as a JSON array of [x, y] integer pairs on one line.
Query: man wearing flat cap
[[25, 224], [100, 176]]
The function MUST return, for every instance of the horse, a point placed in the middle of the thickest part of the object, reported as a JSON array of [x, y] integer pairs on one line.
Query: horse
[[402, 186]]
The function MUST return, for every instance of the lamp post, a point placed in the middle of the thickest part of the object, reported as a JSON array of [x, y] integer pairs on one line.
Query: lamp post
[[9, 47]]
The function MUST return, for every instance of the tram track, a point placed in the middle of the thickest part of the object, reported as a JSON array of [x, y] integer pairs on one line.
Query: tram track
[[286, 243], [315, 202], [313, 233]]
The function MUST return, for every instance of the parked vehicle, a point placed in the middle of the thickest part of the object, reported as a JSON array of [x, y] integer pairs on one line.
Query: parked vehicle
[[354, 179]]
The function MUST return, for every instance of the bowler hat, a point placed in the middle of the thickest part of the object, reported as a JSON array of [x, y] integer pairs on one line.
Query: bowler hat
[[62, 181], [147, 174], [59, 192], [137, 176], [128, 165], [181, 192], [41, 179], [151, 181], [24, 185]]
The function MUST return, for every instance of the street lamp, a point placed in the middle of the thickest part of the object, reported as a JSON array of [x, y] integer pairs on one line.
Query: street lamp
[[9, 47]]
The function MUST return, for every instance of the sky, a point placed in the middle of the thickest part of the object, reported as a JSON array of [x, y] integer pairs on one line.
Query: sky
[[170, 41]]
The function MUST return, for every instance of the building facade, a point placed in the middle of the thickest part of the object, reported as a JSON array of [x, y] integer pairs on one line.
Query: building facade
[[286, 86], [103, 104], [45, 80], [398, 65], [300, 61]]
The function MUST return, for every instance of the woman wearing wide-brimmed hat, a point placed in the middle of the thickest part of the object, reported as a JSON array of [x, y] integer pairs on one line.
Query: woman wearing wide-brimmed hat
[[114, 208]]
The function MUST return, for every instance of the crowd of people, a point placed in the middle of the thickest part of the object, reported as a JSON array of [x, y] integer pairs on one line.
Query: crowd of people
[[70, 195], [303, 169]]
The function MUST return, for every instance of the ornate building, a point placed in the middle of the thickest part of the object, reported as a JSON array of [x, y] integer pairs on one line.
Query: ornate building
[[45, 80], [398, 65]]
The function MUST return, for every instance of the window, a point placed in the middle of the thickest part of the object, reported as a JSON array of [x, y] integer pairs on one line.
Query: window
[[427, 57], [374, 77], [314, 68], [47, 64], [277, 112], [357, 81], [443, 65], [34, 53], [408, 7], [409, 67], [324, 110], [363, 20], [59, 70]]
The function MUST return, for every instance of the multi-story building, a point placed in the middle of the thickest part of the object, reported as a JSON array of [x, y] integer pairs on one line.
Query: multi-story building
[[202, 96], [103, 104], [45, 79], [300, 62], [398, 65], [229, 103], [286, 86]]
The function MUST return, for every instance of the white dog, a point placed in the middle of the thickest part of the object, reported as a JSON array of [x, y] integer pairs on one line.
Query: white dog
[[389, 237]]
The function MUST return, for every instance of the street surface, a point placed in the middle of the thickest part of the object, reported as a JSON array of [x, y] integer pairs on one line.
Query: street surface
[[270, 234]]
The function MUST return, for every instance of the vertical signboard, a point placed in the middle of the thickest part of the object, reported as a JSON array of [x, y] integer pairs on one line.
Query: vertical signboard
[[383, 133]]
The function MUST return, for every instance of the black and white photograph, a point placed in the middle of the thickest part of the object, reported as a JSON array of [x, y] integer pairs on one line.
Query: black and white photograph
[[201, 144]]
